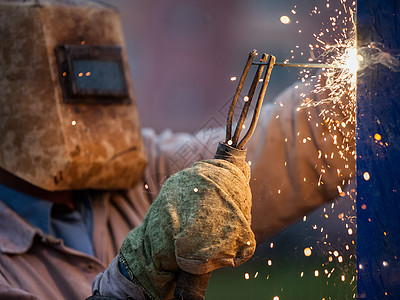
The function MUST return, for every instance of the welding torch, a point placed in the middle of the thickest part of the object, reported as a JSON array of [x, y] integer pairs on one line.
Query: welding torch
[[302, 65]]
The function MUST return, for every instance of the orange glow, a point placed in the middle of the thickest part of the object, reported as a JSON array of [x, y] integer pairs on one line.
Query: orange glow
[[307, 251]]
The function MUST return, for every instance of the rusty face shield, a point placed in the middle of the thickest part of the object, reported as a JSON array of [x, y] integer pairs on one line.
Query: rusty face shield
[[68, 116]]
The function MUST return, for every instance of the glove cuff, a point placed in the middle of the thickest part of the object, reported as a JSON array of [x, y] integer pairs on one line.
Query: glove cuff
[[234, 156], [191, 286]]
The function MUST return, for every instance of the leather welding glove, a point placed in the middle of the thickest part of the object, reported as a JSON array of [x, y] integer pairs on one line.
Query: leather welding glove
[[199, 222]]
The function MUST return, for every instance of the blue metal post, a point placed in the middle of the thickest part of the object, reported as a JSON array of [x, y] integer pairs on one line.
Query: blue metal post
[[378, 155]]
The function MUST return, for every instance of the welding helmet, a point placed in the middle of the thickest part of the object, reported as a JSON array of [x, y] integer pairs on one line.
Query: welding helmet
[[68, 118]]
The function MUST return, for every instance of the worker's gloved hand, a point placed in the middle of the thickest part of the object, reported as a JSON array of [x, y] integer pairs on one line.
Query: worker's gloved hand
[[199, 222]]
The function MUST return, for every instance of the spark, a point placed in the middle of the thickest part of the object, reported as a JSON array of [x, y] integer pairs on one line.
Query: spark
[[337, 83], [334, 51], [385, 264], [307, 251], [285, 20]]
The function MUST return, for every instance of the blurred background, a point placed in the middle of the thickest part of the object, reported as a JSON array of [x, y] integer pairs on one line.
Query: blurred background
[[184, 52], [182, 56]]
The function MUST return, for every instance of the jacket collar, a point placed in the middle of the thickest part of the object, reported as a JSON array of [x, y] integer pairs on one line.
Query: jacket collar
[[16, 235]]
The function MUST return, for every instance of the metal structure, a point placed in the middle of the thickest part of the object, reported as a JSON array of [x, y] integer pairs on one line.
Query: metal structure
[[378, 155]]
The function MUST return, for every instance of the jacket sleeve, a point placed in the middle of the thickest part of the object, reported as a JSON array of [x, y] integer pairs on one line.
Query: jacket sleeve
[[297, 160], [301, 157], [111, 284]]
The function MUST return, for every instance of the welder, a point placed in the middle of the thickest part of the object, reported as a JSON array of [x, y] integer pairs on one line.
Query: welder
[[78, 174]]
